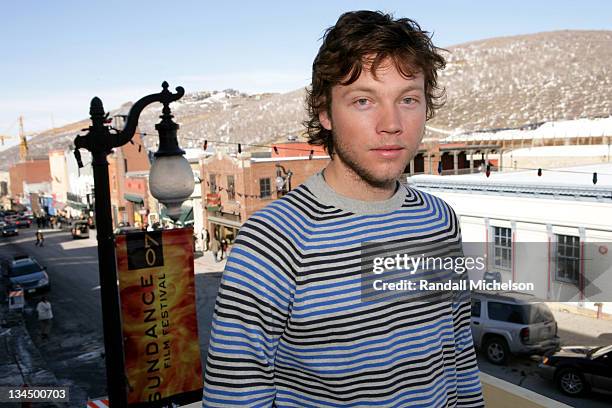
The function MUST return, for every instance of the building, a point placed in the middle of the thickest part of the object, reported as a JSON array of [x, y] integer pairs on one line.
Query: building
[[236, 187], [59, 175], [32, 171], [131, 157], [4, 183], [554, 230]]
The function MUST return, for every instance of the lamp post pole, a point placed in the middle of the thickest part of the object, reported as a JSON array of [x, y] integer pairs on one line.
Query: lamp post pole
[[100, 141]]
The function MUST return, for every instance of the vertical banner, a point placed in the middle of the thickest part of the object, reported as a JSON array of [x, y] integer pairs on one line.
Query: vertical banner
[[160, 328]]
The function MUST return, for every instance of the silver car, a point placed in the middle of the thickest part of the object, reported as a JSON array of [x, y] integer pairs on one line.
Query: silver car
[[505, 323]]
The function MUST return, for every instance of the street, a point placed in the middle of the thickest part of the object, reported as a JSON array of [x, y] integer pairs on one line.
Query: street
[[74, 352]]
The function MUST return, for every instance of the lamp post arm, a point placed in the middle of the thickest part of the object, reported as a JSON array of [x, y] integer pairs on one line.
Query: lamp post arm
[[165, 97]]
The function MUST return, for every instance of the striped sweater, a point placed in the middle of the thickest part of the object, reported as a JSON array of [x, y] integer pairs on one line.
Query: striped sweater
[[291, 328]]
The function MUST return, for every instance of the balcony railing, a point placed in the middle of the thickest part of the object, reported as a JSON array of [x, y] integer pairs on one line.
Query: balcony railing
[[502, 394]]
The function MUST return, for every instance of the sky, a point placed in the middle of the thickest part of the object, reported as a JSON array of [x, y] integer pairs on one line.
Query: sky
[[57, 55]]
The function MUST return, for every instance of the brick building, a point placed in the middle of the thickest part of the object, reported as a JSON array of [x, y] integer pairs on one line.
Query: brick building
[[128, 158], [32, 171], [233, 188]]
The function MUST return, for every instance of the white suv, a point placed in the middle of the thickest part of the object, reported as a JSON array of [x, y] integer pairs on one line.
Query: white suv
[[505, 323]]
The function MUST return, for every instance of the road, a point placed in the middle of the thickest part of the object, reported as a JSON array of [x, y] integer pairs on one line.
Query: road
[[75, 351]]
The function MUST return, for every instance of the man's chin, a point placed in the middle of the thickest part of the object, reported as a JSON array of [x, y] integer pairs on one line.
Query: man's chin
[[381, 180]]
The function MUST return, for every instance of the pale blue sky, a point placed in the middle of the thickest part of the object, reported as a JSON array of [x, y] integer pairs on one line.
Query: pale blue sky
[[57, 55]]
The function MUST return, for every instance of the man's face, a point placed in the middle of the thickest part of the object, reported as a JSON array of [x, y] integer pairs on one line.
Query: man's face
[[377, 124]]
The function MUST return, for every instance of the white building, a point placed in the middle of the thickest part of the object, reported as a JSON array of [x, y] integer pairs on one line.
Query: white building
[[554, 230]]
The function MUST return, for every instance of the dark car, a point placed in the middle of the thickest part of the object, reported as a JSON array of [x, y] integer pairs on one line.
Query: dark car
[[80, 229], [23, 222], [578, 370], [9, 230], [26, 273]]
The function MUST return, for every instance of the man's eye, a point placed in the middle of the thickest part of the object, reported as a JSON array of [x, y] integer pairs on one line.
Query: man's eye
[[362, 102], [409, 100]]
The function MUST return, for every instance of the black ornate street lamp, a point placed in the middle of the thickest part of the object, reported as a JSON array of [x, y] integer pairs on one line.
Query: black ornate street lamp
[[171, 182]]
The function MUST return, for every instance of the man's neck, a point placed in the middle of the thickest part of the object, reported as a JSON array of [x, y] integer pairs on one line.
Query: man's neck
[[352, 186]]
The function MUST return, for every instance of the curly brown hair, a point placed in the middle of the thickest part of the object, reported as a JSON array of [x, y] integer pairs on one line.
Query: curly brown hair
[[367, 38]]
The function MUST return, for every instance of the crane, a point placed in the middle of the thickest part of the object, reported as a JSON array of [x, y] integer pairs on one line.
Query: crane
[[23, 145], [3, 137]]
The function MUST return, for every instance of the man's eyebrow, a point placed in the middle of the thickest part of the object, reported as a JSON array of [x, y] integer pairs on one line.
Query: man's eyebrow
[[366, 89]]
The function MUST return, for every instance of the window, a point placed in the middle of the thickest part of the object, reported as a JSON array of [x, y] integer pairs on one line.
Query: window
[[264, 188], [231, 193], [568, 258], [502, 248], [475, 308], [506, 312], [213, 183]]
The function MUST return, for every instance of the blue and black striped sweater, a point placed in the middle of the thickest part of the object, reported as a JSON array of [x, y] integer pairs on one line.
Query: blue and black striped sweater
[[291, 328]]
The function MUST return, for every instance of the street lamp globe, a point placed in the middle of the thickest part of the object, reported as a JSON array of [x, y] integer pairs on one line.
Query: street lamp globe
[[171, 183]]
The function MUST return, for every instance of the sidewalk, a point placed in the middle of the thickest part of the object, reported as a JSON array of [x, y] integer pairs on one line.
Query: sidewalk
[[206, 263], [21, 362], [576, 329]]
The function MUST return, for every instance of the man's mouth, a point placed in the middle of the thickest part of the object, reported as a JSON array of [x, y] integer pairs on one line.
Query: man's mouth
[[388, 151]]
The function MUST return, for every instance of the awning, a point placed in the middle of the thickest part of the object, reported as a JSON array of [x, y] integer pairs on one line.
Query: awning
[[135, 198], [76, 205], [186, 217], [225, 221]]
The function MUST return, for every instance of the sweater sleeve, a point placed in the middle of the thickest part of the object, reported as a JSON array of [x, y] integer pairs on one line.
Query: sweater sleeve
[[251, 312], [469, 388]]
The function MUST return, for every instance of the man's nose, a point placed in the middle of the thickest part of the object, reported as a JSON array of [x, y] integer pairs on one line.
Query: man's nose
[[389, 119]]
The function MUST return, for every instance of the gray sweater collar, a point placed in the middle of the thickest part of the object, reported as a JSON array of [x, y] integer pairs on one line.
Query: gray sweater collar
[[328, 196]]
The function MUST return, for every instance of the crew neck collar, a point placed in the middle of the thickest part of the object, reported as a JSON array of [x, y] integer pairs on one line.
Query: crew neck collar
[[329, 196]]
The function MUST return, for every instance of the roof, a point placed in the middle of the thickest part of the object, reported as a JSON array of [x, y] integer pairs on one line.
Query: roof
[[573, 183], [563, 151], [548, 130], [577, 176]]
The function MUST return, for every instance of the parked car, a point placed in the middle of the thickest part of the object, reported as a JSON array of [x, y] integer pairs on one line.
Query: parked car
[[11, 219], [505, 323], [126, 230], [80, 229], [9, 230], [23, 222], [578, 370], [25, 272]]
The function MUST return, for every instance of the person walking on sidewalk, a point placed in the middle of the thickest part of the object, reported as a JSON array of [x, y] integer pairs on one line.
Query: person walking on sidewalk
[[205, 240], [297, 321], [45, 316], [215, 247]]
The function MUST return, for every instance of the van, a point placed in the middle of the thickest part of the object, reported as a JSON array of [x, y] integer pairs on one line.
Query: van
[[80, 229]]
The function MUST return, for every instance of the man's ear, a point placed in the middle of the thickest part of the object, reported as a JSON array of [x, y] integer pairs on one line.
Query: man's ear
[[325, 119]]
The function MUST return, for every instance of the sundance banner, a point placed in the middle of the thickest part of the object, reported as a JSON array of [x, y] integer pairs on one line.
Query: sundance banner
[[160, 331]]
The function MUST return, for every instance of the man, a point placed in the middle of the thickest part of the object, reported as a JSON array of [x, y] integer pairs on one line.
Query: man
[[292, 327], [45, 315], [215, 248]]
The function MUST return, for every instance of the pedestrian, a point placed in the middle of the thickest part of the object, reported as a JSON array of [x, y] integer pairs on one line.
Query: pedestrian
[[41, 237], [293, 324], [45, 316], [223, 248], [37, 235], [215, 248], [205, 239]]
